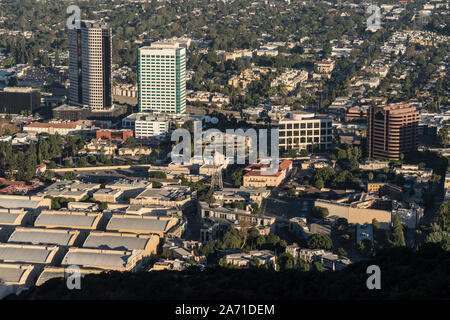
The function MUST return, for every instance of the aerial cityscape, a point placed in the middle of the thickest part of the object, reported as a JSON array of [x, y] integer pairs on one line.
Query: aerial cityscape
[[224, 149]]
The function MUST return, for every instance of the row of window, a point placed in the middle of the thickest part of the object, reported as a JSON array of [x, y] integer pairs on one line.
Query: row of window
[[148, 79], [290, 141], [153, 56], [304, 125], [305, 132]]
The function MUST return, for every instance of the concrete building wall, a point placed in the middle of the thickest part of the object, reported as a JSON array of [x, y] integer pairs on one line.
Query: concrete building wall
[[356, 215]]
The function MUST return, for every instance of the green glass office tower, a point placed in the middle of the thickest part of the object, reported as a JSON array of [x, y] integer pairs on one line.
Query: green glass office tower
[[162, 78]]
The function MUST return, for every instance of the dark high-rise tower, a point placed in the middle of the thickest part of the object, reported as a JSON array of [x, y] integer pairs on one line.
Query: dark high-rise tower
[[90, 52], [391, 131]]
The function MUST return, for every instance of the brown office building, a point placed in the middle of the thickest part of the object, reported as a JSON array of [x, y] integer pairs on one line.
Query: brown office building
[[392, 130]]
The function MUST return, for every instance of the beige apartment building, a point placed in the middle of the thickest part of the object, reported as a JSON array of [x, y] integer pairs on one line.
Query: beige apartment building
[[324, 66], [243, 194], [244, 259], [176, 265], [301, 130], [375, 186], [354, 214], [61, 128], [254, 177], [170, 196], [234, 215], [107, 195], [69, 189]]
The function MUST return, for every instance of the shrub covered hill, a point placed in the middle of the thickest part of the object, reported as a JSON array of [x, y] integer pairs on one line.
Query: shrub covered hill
[[405, 274]]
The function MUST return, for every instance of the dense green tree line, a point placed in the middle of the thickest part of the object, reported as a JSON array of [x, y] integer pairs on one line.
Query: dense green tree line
[[20, 163]]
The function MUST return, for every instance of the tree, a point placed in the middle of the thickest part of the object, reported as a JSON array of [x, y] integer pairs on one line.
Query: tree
[[255, 208], [342, 154], [255, 263], [156, 184], [239, 205], [327, 48], [441, 237], [442, 217], [272, 239], [285, 261], [303, 153], [82, 162], [341, 252], [232, 239], [303, 266], [324, 174], [364, 246], [319, 212], [69, 175], [292, 153], [208, 196], [317, 266], [375, 224], [319, 241], [236, 177], [130, 143], [342, 225], [397, 236], [103, 206], [49, 174], [443, 136], [319, 184], [158, 175]]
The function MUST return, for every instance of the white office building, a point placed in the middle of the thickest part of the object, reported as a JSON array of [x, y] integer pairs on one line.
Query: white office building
[[146, 125], [162, 78], [301, 130]]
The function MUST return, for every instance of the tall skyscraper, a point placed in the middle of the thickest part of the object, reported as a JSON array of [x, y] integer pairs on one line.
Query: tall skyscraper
[[162, 78], [90, 53], [392, 130]]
